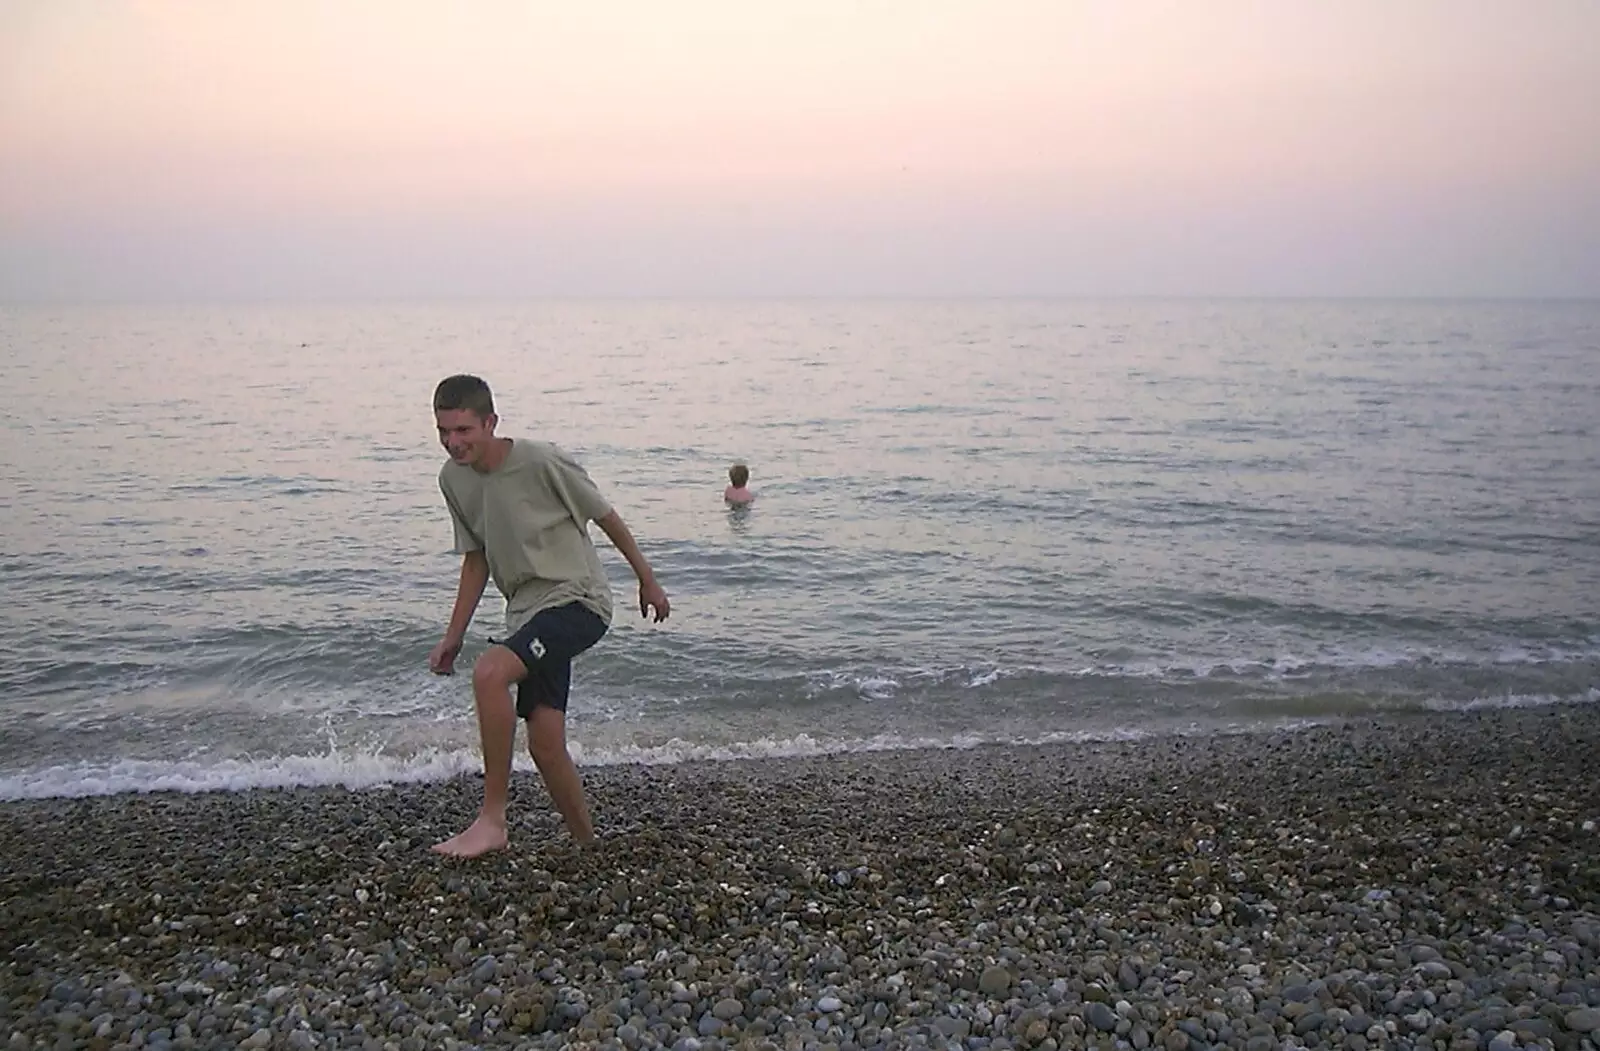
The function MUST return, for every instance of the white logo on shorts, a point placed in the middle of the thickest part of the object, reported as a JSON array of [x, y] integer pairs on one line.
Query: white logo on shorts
[[536, 648]]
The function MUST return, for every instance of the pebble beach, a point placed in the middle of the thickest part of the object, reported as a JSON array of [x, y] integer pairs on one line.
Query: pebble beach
[[1429, 882]]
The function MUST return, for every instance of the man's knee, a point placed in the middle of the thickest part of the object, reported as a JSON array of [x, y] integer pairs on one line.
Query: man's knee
[[546, 751], [497, 668], [547, 735]]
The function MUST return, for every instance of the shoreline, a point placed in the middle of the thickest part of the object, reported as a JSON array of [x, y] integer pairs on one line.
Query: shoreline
[[362, 771], [1428, 882]]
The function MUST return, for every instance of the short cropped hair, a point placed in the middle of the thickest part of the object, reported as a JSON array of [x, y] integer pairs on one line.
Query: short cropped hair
[[464, 392], [739, 474]]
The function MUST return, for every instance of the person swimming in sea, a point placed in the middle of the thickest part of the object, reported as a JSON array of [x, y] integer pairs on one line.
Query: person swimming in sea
[[738, 493]]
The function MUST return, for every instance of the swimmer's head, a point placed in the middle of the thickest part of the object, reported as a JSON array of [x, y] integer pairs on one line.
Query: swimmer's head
[[739, 474]]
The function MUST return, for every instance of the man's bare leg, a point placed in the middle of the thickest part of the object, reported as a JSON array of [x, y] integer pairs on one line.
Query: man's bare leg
[[492, 678], [547, 741]]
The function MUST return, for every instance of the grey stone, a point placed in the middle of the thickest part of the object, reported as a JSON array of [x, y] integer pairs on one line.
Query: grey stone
[[994, 981]]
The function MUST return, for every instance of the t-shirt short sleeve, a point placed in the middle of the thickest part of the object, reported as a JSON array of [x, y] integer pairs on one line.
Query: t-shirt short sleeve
[[576, 489], [466, 540]]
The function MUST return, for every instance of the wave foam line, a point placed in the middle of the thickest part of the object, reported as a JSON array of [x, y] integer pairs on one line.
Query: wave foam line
[[361, 770], [1373, 659], [1512, 700], [355, 770], [358, 770]]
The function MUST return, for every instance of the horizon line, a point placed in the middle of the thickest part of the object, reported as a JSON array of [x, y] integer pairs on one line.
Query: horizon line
[[907, 297]]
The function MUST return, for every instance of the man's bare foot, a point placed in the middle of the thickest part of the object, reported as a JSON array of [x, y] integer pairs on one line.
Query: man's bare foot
[[482, 836]]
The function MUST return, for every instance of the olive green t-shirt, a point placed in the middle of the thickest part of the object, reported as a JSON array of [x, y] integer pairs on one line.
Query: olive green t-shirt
[[530, 516]]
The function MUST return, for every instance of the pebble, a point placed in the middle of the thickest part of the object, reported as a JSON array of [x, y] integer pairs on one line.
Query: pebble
[[1169, 894], [994, 981]]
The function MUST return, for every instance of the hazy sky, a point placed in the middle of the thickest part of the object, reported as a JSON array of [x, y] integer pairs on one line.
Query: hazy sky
[[336, 149]]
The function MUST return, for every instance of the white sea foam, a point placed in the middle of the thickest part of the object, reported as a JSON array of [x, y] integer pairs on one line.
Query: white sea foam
[[355, 769], [348, 769], [364, 770], [1291, 665], [885, 683], [1511, 700]]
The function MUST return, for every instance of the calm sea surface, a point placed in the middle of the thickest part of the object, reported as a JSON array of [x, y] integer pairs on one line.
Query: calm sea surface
[[224, 556]]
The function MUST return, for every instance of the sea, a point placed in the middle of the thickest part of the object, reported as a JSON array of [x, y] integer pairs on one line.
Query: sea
[[224, 555]]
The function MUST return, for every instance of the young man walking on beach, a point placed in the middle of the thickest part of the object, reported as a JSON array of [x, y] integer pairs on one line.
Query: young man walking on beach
[[520, 510]]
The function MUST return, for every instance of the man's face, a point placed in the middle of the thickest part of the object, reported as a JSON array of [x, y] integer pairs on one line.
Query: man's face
[[465, 435]]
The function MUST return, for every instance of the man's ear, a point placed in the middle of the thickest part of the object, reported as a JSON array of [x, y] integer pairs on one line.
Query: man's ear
[[489, 422]]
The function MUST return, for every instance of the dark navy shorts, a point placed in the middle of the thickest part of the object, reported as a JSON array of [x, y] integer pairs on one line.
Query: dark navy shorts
[[547, 643]]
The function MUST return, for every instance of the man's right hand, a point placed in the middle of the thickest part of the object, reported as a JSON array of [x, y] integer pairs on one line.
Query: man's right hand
[[443, 658]]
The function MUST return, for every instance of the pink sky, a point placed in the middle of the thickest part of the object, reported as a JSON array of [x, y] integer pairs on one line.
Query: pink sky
[[299, 149]]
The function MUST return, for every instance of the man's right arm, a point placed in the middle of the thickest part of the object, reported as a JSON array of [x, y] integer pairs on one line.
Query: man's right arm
[[469, 591], [474, 578]]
